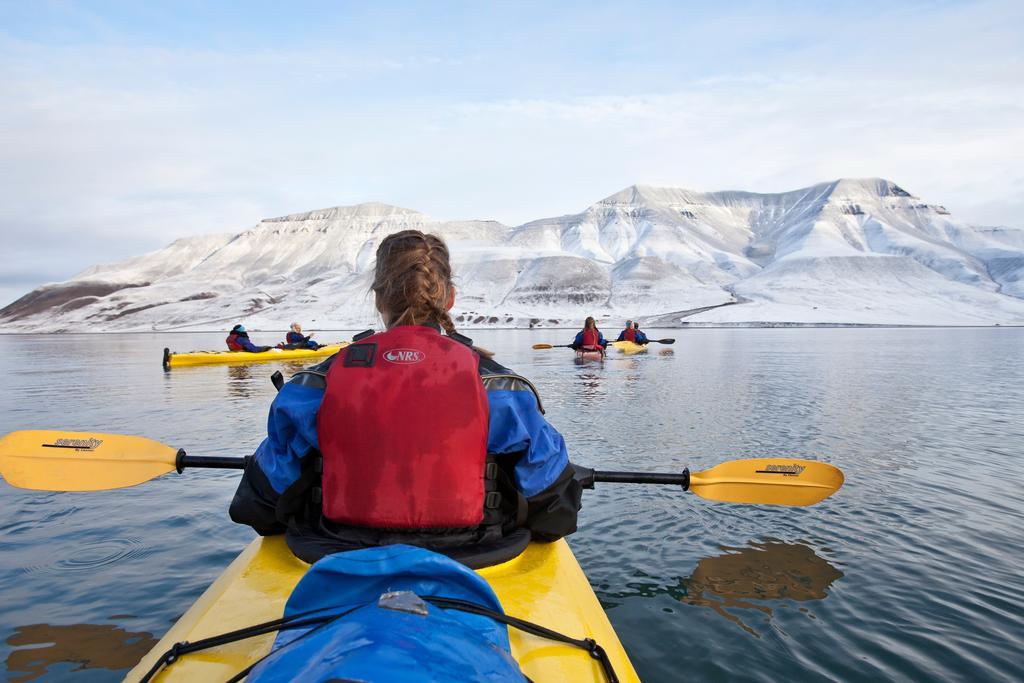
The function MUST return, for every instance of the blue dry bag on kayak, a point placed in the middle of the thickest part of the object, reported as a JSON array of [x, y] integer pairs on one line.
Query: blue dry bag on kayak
[[382, 629]]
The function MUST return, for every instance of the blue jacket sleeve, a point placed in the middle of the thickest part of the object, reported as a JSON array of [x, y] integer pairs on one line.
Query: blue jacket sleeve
[[291, 434], [579, 338], [517, 426], [542, 471], [248, 345]]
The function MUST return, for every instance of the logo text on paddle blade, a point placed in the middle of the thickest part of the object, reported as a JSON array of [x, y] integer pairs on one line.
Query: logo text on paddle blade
[[786, 470], [77, 444]]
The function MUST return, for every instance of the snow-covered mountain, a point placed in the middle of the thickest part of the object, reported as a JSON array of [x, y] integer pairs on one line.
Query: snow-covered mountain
[[846, 252]]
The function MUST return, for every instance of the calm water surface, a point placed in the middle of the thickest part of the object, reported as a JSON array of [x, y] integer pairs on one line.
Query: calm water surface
[[912, 571]]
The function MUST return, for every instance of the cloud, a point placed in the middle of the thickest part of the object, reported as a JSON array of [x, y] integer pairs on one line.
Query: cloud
[[119, 136]]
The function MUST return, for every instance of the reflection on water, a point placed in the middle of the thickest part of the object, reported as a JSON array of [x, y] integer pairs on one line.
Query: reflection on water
[[750, 577], [590, 385], [768, 570], [240, 381], [290, 367], [38, 647], [249, 380], [630, 366]]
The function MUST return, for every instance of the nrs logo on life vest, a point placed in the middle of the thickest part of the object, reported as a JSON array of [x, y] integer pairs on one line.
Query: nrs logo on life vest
[[404, 356]]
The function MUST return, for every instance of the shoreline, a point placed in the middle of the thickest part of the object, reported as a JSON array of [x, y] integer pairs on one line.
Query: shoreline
[[683, 326]]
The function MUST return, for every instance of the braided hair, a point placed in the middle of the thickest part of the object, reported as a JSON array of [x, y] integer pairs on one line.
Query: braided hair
[[413, 280]]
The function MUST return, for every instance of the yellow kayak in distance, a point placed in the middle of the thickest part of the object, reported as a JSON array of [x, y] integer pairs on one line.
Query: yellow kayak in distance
[[178, 360], [544, 584], [629, 348]]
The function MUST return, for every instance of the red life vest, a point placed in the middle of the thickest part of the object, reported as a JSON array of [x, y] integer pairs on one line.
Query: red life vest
[[629, 334], [590, 339], [232, 342], [403, 433]]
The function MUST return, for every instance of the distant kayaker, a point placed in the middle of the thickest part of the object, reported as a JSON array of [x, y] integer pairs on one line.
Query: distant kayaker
[[296, 340], [638, 336], [589, 338], [627, 334], [420, 437], [238, 340]]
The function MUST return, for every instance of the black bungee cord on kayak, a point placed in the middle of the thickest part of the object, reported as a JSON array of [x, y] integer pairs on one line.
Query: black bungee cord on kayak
[[184, 647], [324, 621], [592, 647]]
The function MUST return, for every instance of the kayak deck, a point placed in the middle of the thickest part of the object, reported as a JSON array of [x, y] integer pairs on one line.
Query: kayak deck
[[176, 360], [545, 585]]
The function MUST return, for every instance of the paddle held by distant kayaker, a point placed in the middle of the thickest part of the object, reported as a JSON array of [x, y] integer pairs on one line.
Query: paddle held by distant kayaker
[[238, 340], [589, 338], [420, 437]]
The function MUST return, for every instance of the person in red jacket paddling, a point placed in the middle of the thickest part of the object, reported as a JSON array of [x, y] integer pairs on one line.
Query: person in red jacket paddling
[[589, 338], [629, 333]]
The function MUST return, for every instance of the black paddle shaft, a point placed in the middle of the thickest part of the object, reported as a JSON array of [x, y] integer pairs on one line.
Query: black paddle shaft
[[209, 462], [587, 477]]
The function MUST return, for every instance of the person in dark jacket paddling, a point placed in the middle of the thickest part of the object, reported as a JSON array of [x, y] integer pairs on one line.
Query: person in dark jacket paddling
[[638, 336], [411, 435], [238, 340], [296, 340]]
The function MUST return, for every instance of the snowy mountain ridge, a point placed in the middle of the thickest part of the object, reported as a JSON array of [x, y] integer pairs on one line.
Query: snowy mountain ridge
[[851, 251]]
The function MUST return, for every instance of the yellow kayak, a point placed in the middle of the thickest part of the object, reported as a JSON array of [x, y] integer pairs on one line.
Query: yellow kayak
[[629, 348], [177, 360], [544, 585]]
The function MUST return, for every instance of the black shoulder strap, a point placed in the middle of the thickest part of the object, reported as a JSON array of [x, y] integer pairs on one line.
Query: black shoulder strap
[[363, 335], [461, 338], [293, 499], [499, 508]]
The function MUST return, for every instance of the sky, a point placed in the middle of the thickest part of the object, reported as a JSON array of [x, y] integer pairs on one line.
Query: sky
[[125, 125]]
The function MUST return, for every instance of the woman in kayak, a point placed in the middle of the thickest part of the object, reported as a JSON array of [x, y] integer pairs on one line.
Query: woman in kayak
[[420, 437], [627, 334], [589, 338], [238, 340], [296, 340]]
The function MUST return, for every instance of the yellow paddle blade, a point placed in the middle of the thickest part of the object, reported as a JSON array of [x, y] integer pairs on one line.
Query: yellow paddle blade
[[81, 461], [768, 481], [543, 346]]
